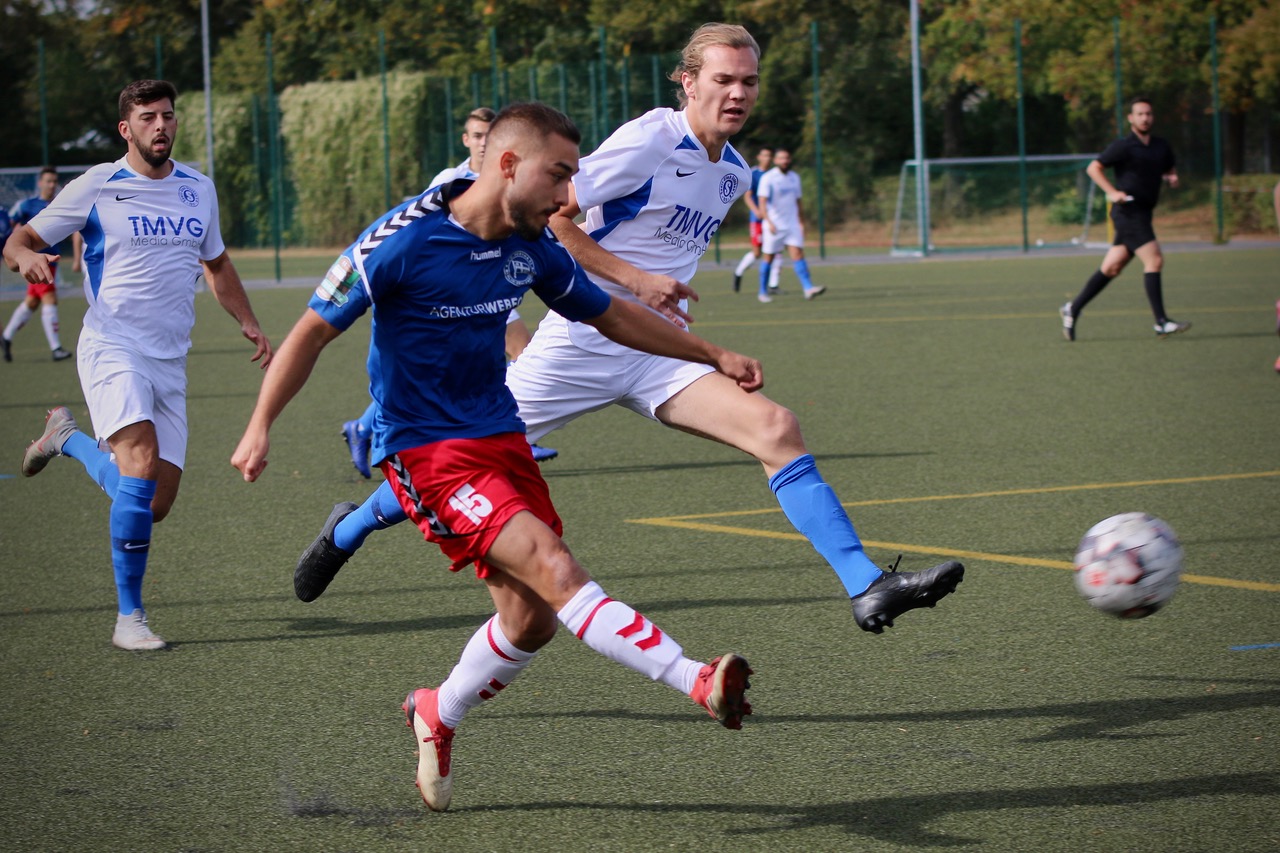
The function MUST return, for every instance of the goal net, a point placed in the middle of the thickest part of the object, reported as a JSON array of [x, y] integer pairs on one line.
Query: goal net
[[984, 203], [17, 184]]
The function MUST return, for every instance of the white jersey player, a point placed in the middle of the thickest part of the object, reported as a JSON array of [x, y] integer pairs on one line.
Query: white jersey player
[[150, 227], [655, 192], [781, 209]]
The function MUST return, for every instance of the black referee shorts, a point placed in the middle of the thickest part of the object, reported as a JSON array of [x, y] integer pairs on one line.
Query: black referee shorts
[[1133, 226]]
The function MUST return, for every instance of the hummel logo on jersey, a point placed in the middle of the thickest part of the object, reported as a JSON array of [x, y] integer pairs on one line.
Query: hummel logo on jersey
[[124, 197], [491, 254], [680, 174]]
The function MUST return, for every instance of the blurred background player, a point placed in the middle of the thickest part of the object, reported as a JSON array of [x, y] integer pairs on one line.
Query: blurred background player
[[359, 432], [42, 294], [764, 159], [137, 329], [779, 199], [1142, 162]]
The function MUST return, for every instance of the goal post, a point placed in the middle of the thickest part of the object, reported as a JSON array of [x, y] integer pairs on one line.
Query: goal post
[[983, 203]]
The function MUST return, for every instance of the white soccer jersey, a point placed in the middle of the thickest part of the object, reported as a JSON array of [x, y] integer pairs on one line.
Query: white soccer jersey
[[782, 192], [462, 170], [143, 243]]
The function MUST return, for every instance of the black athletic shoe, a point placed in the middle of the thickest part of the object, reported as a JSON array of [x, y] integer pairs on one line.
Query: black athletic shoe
[[737, 285], [319, 564], [895, 592], [61, 355], [8, 347]]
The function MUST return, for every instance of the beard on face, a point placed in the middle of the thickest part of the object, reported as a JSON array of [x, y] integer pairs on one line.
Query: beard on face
[[522, 217], [153, 157]]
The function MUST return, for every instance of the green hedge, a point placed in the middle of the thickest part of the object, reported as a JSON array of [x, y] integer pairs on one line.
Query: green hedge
[[1248, 204]]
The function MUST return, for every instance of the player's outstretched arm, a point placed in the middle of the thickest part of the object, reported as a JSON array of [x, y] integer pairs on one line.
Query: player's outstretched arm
[[22, 255], [660, 292], [224, 283], [639, 328], [289, 370]]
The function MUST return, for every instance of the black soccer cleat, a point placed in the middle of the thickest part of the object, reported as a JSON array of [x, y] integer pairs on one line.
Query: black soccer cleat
[[895, 592], [319, 564], [737, 285]]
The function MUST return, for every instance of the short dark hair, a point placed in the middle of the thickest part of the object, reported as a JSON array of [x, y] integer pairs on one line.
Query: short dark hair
[[539, 117], [145, 92], [48, 170], [1140, 99], [484, 114]]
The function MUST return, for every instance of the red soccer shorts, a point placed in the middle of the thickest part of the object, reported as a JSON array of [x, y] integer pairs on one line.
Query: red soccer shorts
[[461, 492], [757, 234]]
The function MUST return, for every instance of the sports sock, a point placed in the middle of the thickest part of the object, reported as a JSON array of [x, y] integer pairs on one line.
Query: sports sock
[[378, 512], [1155, 294], [49, 319], [488, 664], [813, 508], [621, 634], [775, 272], [21, 315], [802, 272], [745, 264], [366, 420], [97, 464], [764, 276], [1095, 285], [131, 539]]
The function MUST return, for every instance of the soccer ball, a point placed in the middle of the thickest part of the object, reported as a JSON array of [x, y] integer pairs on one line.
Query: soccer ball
[[1128, 565]]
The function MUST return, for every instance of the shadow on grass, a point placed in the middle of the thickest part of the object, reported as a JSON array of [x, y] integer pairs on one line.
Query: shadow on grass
[[900, 820]]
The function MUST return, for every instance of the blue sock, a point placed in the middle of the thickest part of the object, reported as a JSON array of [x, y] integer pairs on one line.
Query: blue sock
[[131, 539], [366, 420], [378, 512], [764, 276], [813, 508], [99, 466], [802, 272]]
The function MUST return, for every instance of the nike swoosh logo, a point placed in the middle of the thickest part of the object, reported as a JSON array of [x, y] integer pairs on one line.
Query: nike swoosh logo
[[680, 174], [124, 197], [136, 546]]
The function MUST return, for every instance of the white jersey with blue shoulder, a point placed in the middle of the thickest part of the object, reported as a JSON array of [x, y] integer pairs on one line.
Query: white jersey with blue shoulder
[[462, 170], [144, 240], [781, 192]]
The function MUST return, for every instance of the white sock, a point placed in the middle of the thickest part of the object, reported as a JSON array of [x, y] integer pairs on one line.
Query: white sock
[[488, 664], [49, 317], [621, 634], [21, 315], [745, 264], [774, 270]]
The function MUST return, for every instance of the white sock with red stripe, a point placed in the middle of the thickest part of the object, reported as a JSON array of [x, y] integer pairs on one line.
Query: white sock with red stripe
[[621, 634], [488, 664]]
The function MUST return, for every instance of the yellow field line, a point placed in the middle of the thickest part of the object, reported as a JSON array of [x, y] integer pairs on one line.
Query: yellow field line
[[686, 522], [933, 318]]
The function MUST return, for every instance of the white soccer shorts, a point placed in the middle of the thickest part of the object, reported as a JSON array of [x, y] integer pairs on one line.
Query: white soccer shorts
[[787, 236], [123, 387], [555, 381]]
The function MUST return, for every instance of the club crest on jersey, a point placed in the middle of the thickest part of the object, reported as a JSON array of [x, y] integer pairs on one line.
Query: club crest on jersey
[[338, 281], [519, 269], [728, 188], [188, 196]]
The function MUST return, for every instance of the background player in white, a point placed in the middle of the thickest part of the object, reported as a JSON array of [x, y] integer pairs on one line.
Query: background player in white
[[655, 193], [439, 272], [358, 433], [755, 225], [150, 226], [779, 199], [43, 295]]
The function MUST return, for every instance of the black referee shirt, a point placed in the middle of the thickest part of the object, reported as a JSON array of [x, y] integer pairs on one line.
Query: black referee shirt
[[1140, 169]]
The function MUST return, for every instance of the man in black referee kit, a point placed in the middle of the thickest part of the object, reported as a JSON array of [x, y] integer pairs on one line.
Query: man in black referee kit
[[1141, 162]]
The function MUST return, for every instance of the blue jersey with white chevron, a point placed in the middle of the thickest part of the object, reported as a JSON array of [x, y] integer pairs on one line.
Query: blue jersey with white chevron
[[440, 297], [756, 175], [26, 210]]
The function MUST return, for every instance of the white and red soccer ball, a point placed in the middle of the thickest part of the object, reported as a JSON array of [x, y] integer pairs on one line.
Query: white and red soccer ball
[[1129, 565]]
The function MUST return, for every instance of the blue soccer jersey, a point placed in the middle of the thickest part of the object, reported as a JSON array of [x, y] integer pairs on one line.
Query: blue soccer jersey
[[440, 298], [756, 175], [26, 210]]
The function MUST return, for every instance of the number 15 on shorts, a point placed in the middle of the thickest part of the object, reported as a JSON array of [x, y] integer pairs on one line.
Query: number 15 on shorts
[[471, 503]]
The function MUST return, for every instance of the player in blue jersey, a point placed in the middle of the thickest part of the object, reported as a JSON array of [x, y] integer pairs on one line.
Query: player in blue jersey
[[150, 227], [358, 433], [764, 160], [39, 294], [655, 192], [440, 274]]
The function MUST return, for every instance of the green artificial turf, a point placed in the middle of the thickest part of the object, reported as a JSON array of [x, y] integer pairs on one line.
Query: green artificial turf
[[943, 407]]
